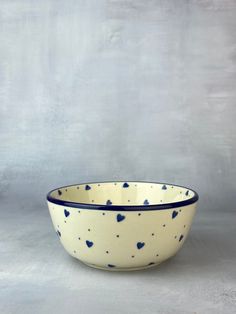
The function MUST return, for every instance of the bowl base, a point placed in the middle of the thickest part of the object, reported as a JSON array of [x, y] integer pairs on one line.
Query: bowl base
[[121, 268]]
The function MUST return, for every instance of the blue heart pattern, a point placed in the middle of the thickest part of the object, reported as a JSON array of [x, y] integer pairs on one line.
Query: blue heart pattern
[[120, 217], [181, 238], [89, 243], [174, 214], [109, 202], [140, 245], [66, 212], [125, 185]]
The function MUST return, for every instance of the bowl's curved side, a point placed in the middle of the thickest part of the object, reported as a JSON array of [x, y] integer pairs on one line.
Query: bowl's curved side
[[121, 240]]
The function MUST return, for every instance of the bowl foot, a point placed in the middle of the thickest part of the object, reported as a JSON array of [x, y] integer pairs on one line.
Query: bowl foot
[[121, 268]]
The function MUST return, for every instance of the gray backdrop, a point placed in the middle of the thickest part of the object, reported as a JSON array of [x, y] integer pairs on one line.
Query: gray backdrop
[[107, 90]]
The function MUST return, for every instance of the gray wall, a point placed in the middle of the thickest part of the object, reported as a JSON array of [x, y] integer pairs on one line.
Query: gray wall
[[99, 90]]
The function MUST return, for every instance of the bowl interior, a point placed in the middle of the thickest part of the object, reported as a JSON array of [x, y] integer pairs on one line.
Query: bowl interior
[[122, 194]]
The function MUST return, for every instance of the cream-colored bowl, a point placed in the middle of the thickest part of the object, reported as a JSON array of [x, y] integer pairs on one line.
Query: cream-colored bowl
[[122, 225]]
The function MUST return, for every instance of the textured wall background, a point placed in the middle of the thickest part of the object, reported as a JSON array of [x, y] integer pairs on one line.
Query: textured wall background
[[93, 90], [119, 89]]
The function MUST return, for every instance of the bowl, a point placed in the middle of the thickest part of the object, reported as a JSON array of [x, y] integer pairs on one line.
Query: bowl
[[122, 225]]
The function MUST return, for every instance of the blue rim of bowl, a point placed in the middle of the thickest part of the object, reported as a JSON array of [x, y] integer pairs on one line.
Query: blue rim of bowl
[[189, 201]]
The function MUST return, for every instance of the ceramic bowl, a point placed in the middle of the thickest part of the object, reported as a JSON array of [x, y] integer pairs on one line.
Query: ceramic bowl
[[122, 225]]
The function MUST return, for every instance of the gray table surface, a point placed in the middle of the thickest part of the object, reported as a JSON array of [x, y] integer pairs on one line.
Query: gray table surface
[[38, 276]]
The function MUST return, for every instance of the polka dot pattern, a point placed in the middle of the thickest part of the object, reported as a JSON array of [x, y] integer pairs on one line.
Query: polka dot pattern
[[122, 239], [123, 194]]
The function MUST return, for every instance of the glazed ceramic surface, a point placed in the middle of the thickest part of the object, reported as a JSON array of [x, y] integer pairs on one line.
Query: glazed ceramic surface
[[122, 225]]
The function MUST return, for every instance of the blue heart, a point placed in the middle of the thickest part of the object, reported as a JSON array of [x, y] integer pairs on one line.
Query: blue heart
[[59, 192], [174, 214], [164, 187], [181, 237], [120, 217], [59, 233], [146, 202], [125, 185], [110, 265], [66, 212], [109, 202], [140, 245], [87, 187], [187, 193], [89, 243]]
